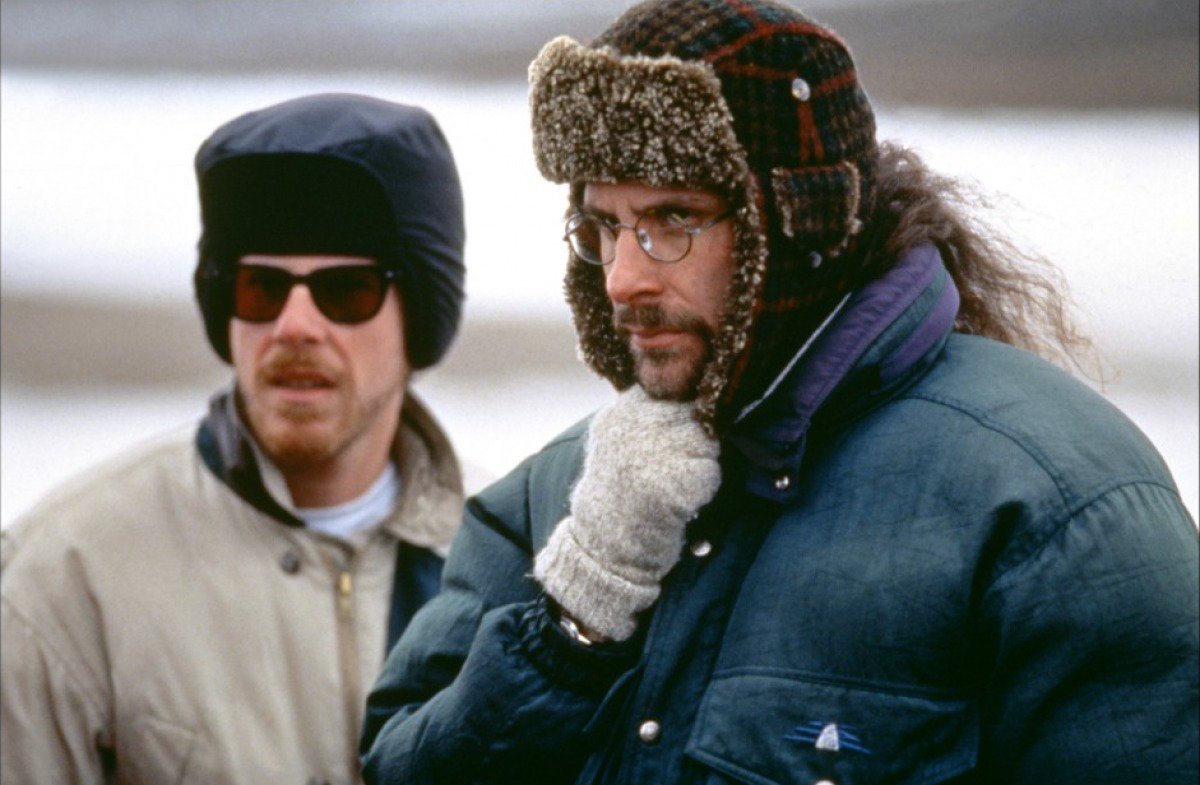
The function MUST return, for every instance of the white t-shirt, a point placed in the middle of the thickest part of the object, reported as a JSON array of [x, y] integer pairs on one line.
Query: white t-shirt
[[343, 520]]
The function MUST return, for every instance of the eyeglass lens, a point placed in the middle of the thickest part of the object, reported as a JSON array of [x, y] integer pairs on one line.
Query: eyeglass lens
[[346, 295], [661, 236]]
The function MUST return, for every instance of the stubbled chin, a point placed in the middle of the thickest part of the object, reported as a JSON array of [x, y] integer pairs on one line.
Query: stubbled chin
[[670, 375], [291, 412], [295, 431], [299, 444]]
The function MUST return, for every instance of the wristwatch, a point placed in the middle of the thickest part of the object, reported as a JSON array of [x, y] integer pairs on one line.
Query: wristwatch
[[568, 625]]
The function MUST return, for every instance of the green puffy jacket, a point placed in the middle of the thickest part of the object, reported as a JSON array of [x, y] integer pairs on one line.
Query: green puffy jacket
[[933, 558]]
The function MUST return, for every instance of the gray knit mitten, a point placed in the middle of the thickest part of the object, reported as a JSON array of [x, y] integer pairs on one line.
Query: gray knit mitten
[[649, 468]]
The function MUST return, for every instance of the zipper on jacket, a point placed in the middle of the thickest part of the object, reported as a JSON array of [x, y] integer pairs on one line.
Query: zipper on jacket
[[342, 571], [345, 591], [348, 654]]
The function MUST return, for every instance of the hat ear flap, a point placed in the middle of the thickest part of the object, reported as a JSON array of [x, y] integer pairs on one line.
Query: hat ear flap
[[214, 293], [817, 207]]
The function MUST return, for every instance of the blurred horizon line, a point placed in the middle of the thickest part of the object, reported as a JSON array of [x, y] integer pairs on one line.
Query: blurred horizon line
[[66, 342]]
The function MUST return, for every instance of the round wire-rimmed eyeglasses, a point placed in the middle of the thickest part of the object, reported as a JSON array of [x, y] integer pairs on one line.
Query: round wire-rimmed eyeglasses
[[663, 235]]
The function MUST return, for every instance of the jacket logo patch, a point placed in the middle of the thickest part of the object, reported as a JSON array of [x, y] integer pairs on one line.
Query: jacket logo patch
[[828, 736]]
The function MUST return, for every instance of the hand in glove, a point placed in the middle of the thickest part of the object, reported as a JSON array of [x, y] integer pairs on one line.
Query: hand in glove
[[649, 468]]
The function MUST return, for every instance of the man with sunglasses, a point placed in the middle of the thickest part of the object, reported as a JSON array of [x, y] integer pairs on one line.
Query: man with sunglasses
[[838, 525], [214, 607]]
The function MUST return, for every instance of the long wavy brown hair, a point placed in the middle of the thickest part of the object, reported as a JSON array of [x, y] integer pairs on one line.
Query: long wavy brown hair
[[1008, 293]]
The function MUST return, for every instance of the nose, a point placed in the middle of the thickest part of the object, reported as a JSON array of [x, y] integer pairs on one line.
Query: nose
[[300, 321], [632, 276]]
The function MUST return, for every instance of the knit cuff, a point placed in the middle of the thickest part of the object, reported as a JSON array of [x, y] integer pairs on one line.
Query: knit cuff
[[588, 671], [592, 594]]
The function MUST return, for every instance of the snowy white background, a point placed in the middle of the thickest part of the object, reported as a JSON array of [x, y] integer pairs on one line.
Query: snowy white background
[[98, 200]]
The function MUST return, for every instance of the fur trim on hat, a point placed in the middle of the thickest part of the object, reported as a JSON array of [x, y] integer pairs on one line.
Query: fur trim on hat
[[660, 120]]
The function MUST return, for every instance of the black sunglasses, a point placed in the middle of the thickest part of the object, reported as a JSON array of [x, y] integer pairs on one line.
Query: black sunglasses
[[351, 294]]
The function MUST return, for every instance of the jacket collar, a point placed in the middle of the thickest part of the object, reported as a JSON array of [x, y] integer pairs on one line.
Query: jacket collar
[[878, 340], [428, 511]]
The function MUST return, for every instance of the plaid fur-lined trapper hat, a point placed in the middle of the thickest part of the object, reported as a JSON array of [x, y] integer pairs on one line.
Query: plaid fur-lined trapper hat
[[750, 99]]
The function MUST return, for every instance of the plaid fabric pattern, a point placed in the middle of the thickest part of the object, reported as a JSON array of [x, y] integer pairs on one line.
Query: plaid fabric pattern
[[757, 49], [808, 135], [814, 202]]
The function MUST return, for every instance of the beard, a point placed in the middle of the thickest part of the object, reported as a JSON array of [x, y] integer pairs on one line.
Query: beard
[[671, 373], [303, 435]]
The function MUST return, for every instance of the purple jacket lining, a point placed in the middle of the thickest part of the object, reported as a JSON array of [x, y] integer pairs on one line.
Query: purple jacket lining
[[784, 417]]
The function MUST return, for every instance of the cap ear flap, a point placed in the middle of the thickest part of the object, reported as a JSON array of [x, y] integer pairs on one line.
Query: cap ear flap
[[214, 294], [818, 206]]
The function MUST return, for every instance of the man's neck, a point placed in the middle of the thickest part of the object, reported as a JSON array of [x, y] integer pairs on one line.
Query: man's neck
[[340, 479], [336, 483]]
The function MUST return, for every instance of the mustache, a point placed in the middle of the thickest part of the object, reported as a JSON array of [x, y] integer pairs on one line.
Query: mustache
[[653, 316], [290, 360]]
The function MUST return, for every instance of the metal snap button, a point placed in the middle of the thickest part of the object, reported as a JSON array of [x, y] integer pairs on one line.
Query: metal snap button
[[801, 90], [814, 259], [701, 548], [649, 731], [290, 562], [783, 482]]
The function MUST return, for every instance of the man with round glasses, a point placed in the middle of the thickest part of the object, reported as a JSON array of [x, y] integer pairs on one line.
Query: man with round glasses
[[840, 525], [686, 236], [213, 607]]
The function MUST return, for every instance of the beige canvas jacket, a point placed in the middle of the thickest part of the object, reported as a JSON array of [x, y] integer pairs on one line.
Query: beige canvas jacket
[[158, 629]]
